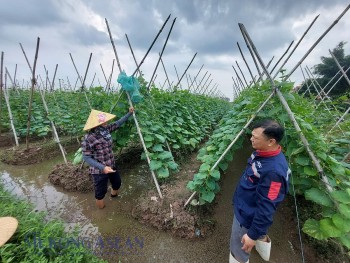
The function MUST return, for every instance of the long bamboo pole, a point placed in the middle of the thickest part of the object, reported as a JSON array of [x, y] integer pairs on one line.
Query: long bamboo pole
[[161, 53], [239, 79], [245, 61], [32, 92], [57, 139], [295, 47], [285, 52], [6, 95], [166, 74], [186, 70], [245, 81], [135, 119], [194, 79], [137, 66], [340, 67], [149, 49], [1, 84]]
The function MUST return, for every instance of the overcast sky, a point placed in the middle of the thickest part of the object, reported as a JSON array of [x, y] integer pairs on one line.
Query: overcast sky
[[206, 27]]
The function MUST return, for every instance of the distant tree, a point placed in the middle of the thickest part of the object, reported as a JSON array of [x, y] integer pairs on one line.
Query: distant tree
[[326, 70]]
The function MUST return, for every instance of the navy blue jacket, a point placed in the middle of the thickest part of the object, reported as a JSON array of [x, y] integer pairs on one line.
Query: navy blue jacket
[[262, 186]]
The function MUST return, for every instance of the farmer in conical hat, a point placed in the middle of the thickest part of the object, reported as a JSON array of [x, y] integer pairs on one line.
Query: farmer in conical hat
[[97, 152]]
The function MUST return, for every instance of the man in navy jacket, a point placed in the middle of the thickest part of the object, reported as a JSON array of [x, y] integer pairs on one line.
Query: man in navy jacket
[[262, 186]]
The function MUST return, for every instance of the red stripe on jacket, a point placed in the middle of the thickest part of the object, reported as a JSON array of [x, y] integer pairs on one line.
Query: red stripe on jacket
[[274, 190]]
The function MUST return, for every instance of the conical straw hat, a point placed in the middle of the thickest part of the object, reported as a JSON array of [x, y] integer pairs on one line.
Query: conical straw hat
[[8, 226], [97, 118]]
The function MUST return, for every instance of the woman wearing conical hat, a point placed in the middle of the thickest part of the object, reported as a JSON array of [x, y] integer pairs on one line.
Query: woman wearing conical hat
[[97, 152]]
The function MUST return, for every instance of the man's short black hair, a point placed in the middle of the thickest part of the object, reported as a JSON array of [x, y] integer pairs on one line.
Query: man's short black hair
[[272, 129]]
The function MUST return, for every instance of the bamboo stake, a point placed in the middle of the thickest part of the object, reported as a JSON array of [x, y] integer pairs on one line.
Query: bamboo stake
[[133, 55], [32, 92], [161, 53], [10, 114], [53, 79], [135, 119], [206, 82], [93, 79], [14, 77], [245, 81], [252, 55], [340, 67], [186, 69], [201, 81], [137, 66], [110, 77], [324, 88], [245, 61], [194, 79], [47, 111], [53, 127], [177, 75], [317, 41], [291, 115], [285, 52], [1, 84], [295, 47], [307, 84], [240, 81], [149, 49], [336, 82], [166, 74], [79, 78], [104, 74], [340, 120]]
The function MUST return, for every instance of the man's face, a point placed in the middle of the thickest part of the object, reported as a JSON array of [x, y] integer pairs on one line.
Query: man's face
[[259, 140]]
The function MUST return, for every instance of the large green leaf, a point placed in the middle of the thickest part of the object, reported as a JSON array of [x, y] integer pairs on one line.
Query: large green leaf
[[309, 170], [163, 172], [215, 174], [341, 196], [157, 148], [208, 196], [342, 223], [302, 160], [160, 137], [312, 228], [329, 229], [155, 165], [319, 197], [344, 210], [200, 176], [204, 167], [165, 155]]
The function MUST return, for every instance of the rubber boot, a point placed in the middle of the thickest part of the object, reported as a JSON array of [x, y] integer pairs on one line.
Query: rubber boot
[[233, 260], [100, 203], [264, 248]]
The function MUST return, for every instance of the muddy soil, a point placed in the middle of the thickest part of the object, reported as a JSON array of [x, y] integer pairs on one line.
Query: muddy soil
[[38, 151], [169, 214]]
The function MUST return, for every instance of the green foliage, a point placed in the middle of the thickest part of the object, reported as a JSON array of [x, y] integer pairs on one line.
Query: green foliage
[[25, 246]]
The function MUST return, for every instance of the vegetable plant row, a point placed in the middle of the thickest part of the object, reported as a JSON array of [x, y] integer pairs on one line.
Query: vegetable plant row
[[333, 221], [170, 122]]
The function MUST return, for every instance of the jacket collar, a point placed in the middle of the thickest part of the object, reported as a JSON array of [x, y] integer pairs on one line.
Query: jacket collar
[[268, 153]]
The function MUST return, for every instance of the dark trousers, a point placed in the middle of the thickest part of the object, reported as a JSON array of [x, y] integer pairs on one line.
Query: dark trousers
[[101, 183]]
